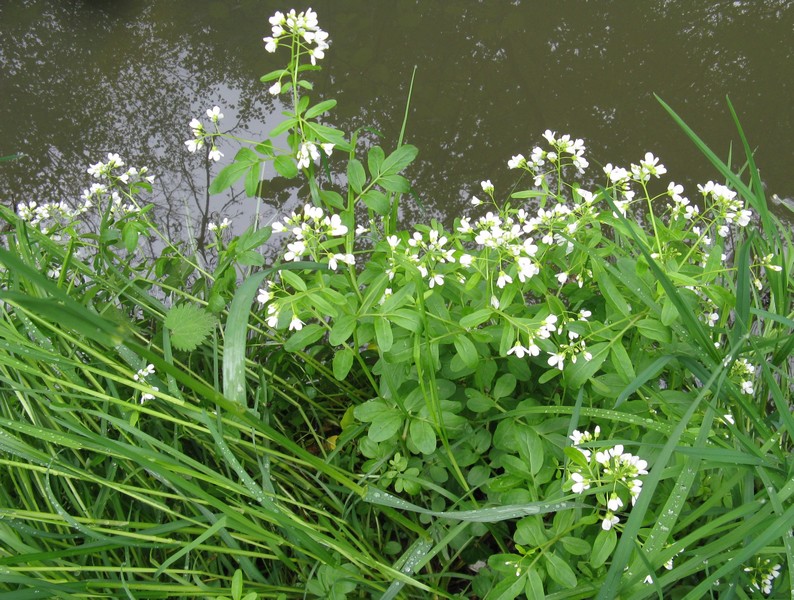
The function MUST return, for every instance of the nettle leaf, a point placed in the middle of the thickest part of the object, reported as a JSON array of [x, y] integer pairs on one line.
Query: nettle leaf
[[189, 325]]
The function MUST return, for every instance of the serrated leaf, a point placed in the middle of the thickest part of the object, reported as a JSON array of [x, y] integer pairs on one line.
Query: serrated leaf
[[188, 325]]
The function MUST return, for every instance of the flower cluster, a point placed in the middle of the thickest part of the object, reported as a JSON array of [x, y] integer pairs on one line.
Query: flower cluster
[[200, 134], [308, 153], [762, 574], [313, 231], [52, 216], [542, 332], [219, 227], [743, 375], [564, 152], [141, 377], [315, 235], [110, 172], [727, 209], [612, 468], [301, 27]]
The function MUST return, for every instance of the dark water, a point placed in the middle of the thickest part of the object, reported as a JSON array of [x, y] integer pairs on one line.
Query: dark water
[[83, 78]]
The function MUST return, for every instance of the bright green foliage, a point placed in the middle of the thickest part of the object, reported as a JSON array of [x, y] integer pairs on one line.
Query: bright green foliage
[[564, 395], [189, 326]]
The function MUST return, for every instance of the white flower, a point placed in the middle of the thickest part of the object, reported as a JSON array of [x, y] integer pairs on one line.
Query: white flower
[[335, 224], [272, 312], [519, 350], [466, 260], [614, 503], [327, 148], [580, 483], [295, 324], [264, 296], [556, 360], [475, 201], [215, 154], [503, 279], [517, 161], [487, 186], [148, 395], [144, 372], [634, 490], [275, 89], [193, 145], [435, 279], [334, 260], [609, 520], [295, 250], [270, 44], [562, 277], [307, 153], [215, 114], [495, 302]]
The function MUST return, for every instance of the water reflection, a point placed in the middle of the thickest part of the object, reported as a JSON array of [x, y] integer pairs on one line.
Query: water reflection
[[81, 79]]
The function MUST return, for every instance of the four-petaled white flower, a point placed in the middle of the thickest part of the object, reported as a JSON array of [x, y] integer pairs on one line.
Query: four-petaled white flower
[[580, 483], [296, 324], [609, 520], [215, 154], [215, 114]]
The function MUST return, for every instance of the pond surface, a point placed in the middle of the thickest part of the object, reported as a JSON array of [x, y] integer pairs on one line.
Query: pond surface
[[84, 78]]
